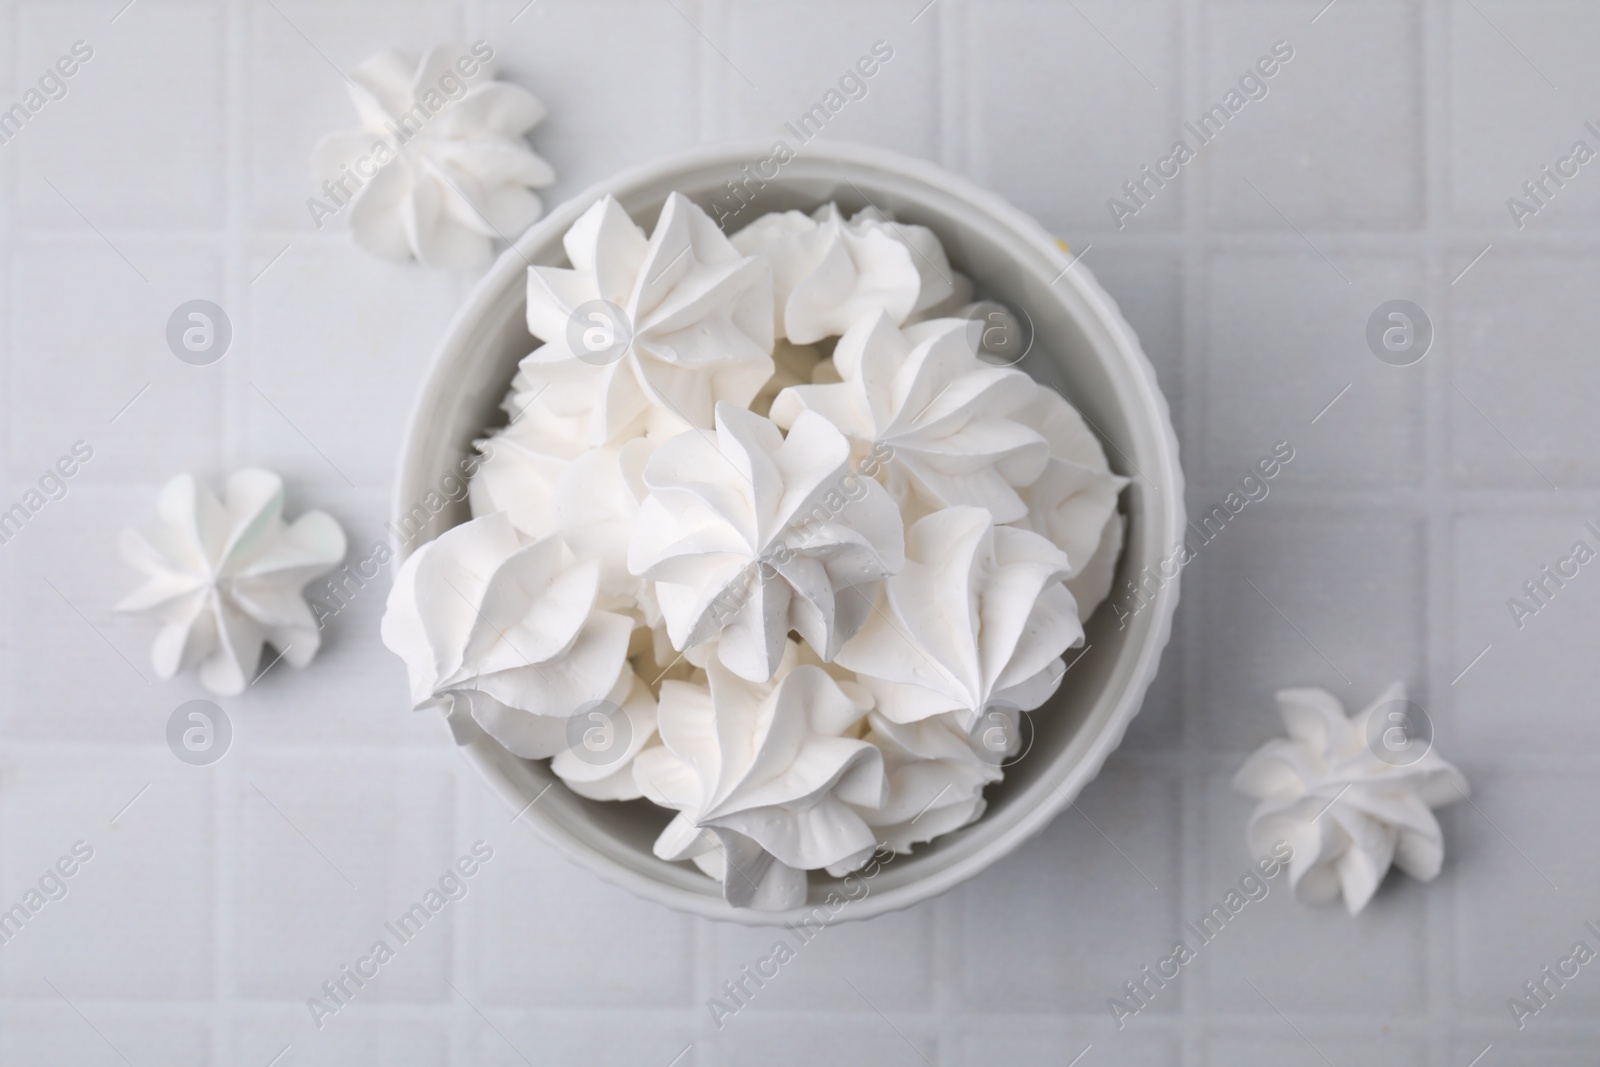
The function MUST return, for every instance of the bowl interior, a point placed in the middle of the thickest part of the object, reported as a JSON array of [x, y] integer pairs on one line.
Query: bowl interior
[[1081, 346]]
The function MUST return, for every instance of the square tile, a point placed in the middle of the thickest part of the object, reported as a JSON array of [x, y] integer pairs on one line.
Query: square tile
[[616, 950], [53, 1033], [327, 855], [1062, 922], [890, 960], [1506, 128], [1336, 141], [801, 1042], [803, 58], [1522, 423], [1034, 1042], [134, 922], [556, 1037], [1290, 1050], [1101, 81], [1531, 1049], [1299, 596], [1285, 335], [361, 330], [1513, 856], [90, 361], [1535, 660], [359, 1036], [137, 141], [88, 669], [569, 56]]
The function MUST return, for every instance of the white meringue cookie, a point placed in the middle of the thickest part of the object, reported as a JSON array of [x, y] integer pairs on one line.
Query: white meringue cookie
[[751, 877], [698, 319], [518, 476], [598, 760], [225, 577], [595, 507], [953, 306], [769, 760], [1073, 502], [1348, 812], [552, 404], [829, 272], [1090, 586], [504, 632], [462, 177], [752, 534], [937, 771], [525, 459], [977, 617], [945, 418]]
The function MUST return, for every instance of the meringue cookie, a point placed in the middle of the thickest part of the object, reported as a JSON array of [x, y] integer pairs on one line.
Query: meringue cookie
[[504, 633], [698, 316], [1073, 502], [953, 306], [937, 771], [598, 760], [946, 418], [752, 535], [595, 507], [1347, 813], [978, 617], [1090, 586], [751, 877], [226, 576], [518, 476], [524, 459], [828, 272], [769, 760], [452, 175]]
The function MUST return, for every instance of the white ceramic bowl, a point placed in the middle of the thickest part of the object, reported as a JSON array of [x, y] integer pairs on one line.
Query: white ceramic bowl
[[1082, 345]]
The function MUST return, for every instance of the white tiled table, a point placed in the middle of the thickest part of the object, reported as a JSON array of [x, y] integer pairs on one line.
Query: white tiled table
[[1381, 160]]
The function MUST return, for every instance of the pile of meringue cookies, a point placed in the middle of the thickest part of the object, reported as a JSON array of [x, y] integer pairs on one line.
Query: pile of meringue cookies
[[765, 541]]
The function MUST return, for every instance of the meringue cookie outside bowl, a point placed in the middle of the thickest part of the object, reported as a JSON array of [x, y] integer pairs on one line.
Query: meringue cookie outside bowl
[[1082, 345]]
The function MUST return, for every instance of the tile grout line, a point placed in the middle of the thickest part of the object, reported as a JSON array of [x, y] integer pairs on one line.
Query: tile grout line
[[1438, 539], [1578, 239], [235, 413], [230, 1023], [9, 62], [8, 79], [953, 75]]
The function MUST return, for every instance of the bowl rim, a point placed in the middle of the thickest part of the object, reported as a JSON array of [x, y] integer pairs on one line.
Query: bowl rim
[[1062, 783]]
